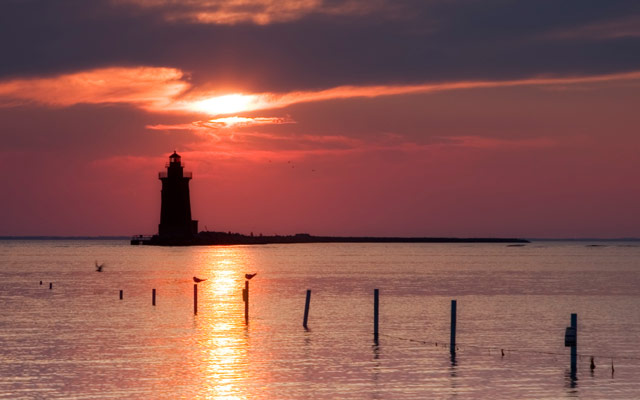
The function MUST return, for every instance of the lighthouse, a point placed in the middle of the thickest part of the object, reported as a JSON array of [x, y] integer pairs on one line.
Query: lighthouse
[[175, 210]]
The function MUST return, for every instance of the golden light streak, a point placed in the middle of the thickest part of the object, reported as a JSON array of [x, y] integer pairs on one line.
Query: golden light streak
[[223, 344], [164, 90], [223, 123], [265, 101], [227, 104]]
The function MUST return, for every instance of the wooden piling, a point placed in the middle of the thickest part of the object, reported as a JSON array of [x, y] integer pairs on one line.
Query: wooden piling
[[153, 297], [613, 370], [246, 302], [574, 346], [195, 298], [452, 341], [41, 282], [50, 285], [306, 309], [376, 314], [121, 294]]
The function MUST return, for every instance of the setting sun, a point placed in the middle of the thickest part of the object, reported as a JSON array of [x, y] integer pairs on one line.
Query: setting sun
[[226, 104]]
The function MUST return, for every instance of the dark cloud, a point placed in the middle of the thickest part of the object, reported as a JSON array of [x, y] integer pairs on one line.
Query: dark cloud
[[420, 41]]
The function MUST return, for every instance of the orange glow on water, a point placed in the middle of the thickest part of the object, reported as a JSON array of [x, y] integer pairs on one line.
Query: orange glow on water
[[220, 324]]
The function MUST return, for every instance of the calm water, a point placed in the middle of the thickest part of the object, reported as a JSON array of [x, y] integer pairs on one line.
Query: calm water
[[79, 341]]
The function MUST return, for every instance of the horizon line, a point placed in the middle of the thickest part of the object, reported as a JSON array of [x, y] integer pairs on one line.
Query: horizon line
[[127, 237]]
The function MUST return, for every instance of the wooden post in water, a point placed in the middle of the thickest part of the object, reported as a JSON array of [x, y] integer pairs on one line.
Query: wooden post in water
[[452, 341], [195, 298], [574, 346], [120, 294], [50, 285], [376, 303], [41, 282], [246, 302], [306, 309], [571, 340], [153, 297]]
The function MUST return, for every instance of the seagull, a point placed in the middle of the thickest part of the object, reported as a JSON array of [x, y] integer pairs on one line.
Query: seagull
[[249, 276], [198, 280], [99, 267]]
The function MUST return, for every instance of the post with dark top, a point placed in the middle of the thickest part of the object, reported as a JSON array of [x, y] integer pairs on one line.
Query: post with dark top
[[574, 346], [376, 303], [571, 340], [153, 297], [120, 294], [306, 309], [195, 298], [245, 295], [452, 341]]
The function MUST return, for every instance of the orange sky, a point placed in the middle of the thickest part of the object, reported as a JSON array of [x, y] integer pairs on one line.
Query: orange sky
[[337, 118]]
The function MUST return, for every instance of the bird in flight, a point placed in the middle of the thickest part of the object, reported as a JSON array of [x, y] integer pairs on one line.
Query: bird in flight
[[198, 280], [99, 267], [249, 276]]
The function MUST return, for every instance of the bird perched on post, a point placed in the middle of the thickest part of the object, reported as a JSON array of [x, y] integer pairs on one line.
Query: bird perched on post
[[198, 280], [249, 276], [99, 267]]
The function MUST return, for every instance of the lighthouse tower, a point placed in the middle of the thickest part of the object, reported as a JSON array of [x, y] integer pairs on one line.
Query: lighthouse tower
[[175, 211]]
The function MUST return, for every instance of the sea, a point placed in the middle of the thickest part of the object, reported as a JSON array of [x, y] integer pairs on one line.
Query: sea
[[66, 334]]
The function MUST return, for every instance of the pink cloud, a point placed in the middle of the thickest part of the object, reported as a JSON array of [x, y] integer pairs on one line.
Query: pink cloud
[[480, 142], [259, 12], [260, 147], [613, 29], [223, 123], [151, 88], [165, 90], [208, 103], [277, 101]]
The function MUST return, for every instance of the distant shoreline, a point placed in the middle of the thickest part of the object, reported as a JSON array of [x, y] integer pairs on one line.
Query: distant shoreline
[[46, 237], [208, 238], [584, 240], [65, 237]]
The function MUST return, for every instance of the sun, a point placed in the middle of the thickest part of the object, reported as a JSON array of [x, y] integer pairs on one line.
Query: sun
[[227, 104]]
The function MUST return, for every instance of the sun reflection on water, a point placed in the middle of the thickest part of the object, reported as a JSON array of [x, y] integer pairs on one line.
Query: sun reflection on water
[[220, 326]]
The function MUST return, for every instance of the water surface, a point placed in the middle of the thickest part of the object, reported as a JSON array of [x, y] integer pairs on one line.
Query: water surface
[[79, 341]]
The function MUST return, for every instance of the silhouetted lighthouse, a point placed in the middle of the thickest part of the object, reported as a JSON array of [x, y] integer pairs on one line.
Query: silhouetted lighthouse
[[175, 211]]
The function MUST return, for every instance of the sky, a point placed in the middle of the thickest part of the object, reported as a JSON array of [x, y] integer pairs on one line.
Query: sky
[[464, 118]]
